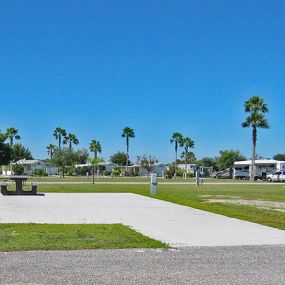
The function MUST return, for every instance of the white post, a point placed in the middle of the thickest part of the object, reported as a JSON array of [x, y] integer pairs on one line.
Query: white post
[[153, 183]]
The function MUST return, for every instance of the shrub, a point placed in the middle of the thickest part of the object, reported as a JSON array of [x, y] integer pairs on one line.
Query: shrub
[[40, 172], [70, 170], [18, 169], [116, 172], [81, 171], [106, 173]]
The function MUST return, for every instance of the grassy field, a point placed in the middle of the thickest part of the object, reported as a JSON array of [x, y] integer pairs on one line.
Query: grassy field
[[120, 179], [196, 197], [18, 237]]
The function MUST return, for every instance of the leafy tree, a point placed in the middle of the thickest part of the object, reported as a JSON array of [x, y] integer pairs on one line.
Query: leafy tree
[[59, 134], [18, 169], [176, 139], [128, 133], [50, 149], [191, 158], [18, 152], [147, 162], [208, 162], [12, 134], [186, 143], [62, 158], [227, 158], [279, 156], [120, 158], [82, 156], [70, 139], [256, 119], [95, 147]]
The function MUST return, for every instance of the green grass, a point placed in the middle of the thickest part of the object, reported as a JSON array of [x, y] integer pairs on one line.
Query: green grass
[[189, 195], [20, 237], [120, 179]]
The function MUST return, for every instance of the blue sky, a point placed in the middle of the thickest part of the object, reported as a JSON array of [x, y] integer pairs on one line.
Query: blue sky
[[94, 67]]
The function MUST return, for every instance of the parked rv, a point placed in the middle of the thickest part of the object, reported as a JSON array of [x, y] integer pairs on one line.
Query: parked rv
[[264, 167]]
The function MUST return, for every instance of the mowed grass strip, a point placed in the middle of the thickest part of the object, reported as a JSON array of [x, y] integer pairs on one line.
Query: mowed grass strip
[[189, 195], [25, 237]]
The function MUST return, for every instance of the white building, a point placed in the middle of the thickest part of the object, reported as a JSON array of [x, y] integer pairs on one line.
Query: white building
[[30, 165], [242, 169], [190, 168], [159, 169], [103, 166]]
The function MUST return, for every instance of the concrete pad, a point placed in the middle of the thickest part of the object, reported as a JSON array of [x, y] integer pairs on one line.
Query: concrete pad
[[174, 224]]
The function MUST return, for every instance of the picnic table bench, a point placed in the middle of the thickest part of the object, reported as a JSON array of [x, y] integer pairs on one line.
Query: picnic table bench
[[19, 181]]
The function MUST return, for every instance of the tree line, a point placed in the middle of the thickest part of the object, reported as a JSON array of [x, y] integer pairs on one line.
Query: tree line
[[62, 153]]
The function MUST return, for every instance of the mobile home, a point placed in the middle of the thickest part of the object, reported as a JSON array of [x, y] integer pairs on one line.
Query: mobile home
[[242, 169]]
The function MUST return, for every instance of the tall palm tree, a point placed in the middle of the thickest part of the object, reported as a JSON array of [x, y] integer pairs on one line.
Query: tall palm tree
[[59, 133], [186, 143], [70, 139], [256, 119], [12, 134], [176, 139], [128, 133], [95, 147], [50, 150]]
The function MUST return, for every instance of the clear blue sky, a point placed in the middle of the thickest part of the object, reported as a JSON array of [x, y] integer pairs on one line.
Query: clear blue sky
[[94, 67]]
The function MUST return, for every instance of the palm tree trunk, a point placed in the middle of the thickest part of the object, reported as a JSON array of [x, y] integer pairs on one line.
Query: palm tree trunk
[[93, 174], [175, 172], [254, 135], [70, 145], [59, 142], [186, 156], [127, 163]]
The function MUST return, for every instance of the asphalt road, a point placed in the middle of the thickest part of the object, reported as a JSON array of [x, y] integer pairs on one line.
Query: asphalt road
[[195, 265]]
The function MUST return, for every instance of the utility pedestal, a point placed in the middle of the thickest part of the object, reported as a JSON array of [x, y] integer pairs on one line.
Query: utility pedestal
[[153, 183]]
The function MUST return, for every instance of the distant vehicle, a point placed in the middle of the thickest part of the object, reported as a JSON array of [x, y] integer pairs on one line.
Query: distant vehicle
[[223, 174], [277, 176]]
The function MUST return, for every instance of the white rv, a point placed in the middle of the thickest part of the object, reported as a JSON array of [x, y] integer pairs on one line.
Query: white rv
[[242, 169]]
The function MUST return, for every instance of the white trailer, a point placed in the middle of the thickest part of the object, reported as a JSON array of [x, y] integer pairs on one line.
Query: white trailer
[[242, 169]]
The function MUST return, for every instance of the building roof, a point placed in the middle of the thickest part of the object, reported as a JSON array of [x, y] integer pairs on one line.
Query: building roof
[[28, 161], [258, 161]]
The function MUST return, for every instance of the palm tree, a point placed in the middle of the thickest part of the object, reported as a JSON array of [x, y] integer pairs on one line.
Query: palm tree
[[95, 147], [256, 107], [70, 139], [186, 143], [12, 134], [58, 134], [50, 150], [176, 139], [128, 133]]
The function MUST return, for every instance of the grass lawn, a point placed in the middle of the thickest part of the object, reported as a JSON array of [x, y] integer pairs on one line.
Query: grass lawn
[[18, 237], [189, 195], [121, 179]]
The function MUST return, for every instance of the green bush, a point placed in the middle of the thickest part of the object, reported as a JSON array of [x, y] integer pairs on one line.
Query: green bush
[[18, 169], [116, 172], [70, 170], [81, 171], [106, 173], [40, 172]]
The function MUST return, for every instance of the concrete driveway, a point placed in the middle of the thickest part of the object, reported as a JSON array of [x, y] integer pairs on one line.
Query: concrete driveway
[[168, 222]]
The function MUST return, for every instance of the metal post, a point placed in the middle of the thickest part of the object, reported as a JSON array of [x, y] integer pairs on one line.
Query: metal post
[[153, 183], [198, 177]]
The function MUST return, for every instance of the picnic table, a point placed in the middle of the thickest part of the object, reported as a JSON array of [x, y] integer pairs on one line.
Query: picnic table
[[20, 181]]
